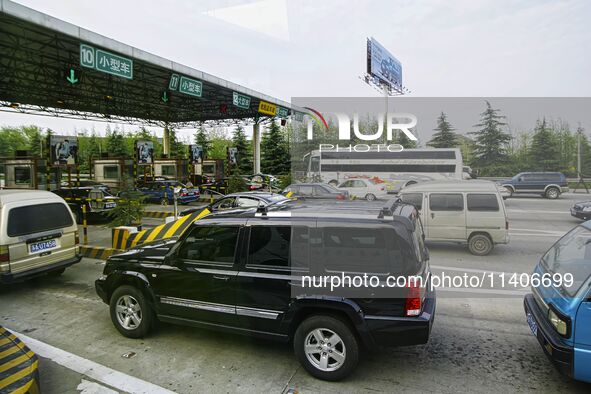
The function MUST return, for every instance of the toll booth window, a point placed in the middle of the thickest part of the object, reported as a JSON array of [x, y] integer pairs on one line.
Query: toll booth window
[[208, 169], [33, 219], [22, 175], [111, 172], [269, 246], [210, 244], [169, 170]]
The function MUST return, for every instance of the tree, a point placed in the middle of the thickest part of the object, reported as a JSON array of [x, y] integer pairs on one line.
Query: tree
[[244, 155], [11, 140], [490, 150], [444, 136], [202, 139], [115, 142], [177, 148], [544, 152], [275, 157], [33, 134]]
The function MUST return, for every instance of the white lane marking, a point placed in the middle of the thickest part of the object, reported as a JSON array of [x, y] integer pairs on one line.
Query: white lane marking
[[484, 291], [88, 387], [100, 373], [532, 211], [441, 267], [533, 235]]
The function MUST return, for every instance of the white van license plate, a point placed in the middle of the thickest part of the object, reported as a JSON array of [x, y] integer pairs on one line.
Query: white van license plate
[[43, 246]]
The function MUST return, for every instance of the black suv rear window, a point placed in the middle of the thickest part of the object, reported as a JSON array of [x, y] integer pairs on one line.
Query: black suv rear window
[[482, 202], [32, 219]]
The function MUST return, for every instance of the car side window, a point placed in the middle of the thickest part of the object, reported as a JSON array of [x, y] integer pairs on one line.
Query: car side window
[[306, 191], [224, 203], [359, 184], [446, 202], [246, 202], [415, 199], [210, 244], [269, 246], [482, 202], [347, 184]]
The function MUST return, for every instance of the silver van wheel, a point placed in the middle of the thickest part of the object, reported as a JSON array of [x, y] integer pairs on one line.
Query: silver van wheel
[[129, 312], [370, 197], [325, 349], [480, 245]]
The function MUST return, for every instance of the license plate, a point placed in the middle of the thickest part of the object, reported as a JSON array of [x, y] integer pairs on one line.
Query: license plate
[[533, 325], [43, 246], [110, 205]]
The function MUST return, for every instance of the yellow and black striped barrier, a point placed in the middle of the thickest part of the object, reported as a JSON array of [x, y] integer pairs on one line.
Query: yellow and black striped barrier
[[19, 372], [123, 239], [97, 252]]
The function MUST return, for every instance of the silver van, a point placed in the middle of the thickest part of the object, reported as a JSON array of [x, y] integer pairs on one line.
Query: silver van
[[471, 212], [38, 235]]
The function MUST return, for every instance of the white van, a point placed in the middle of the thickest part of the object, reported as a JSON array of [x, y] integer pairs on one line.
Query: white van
[[38, 234], [471, 212]]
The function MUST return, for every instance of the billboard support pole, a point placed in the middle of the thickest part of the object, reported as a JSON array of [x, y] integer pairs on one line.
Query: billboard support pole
[[166, 141], [256, 146]]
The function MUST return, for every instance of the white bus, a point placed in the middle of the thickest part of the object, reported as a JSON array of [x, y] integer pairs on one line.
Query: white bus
[[411, 165]]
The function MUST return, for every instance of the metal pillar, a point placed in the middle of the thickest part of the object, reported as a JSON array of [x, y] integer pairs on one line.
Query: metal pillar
[[256, 147], [166, 141]]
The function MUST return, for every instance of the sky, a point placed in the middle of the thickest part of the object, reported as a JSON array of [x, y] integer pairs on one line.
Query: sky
[[303, 48]]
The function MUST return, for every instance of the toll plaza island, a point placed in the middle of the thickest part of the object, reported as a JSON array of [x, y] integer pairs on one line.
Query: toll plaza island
[[176, 268]]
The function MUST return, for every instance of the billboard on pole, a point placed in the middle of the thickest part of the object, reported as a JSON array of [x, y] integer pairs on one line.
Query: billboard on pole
[[382, 64], [195, 154], [63, 150], [144, 152]]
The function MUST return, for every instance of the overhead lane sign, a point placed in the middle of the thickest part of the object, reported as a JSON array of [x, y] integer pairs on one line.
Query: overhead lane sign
[[189, 86], [282, 112], [267, 108], [106, 62], [241, 100]]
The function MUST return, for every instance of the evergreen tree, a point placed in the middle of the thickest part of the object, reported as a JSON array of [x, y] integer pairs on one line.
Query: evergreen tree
[[94, 145], [244, 155], [444, 136], [202, 139], [544, 152], [115, 143], [490, 150], [177, 148], [406, 142], [275, 157], [33, 134]]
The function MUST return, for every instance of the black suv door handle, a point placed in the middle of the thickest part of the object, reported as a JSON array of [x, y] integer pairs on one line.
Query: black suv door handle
[[221, 277]]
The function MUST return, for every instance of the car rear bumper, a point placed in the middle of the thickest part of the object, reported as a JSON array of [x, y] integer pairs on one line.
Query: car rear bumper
[[100, 287], [561, 354], [402, 331], [10, 277]]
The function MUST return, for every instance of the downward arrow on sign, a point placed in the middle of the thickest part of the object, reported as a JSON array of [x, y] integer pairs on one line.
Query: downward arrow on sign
[[164, 97], [72, 78]]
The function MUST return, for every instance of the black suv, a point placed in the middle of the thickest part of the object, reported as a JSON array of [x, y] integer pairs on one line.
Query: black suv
[[245, 272], [548, 184]]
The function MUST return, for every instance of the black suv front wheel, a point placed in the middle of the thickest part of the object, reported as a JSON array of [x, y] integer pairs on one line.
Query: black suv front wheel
[[130, 313], [326, 347]]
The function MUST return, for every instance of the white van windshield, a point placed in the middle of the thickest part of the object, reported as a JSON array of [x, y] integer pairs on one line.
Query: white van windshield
[[571, 255], [32, 219]]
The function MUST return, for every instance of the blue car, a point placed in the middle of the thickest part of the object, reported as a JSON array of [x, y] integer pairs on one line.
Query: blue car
[[559, 309], [548, 184], [162, 192]]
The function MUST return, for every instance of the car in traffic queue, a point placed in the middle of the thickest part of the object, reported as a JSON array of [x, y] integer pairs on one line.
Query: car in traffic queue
[[237, 201], [243, 272], [558, 309], [262, 182], [581, 210], [19, 366], [468, 212], [87, 183], [38, 235], [92, 201], [162, 192], [364, 189], [548, 184], [315, 191]]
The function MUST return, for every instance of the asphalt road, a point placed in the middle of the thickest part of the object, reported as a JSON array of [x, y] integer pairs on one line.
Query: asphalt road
[[478, 344]]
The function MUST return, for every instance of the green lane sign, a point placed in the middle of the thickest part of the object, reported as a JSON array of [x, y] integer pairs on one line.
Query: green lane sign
[[240, 100], [106, 62], [174, 82], [282, 112], [189, 86]]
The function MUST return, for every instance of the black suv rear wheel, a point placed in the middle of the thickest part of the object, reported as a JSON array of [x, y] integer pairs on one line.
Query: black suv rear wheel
[[326, 347], [130, 312], [552, 193]]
